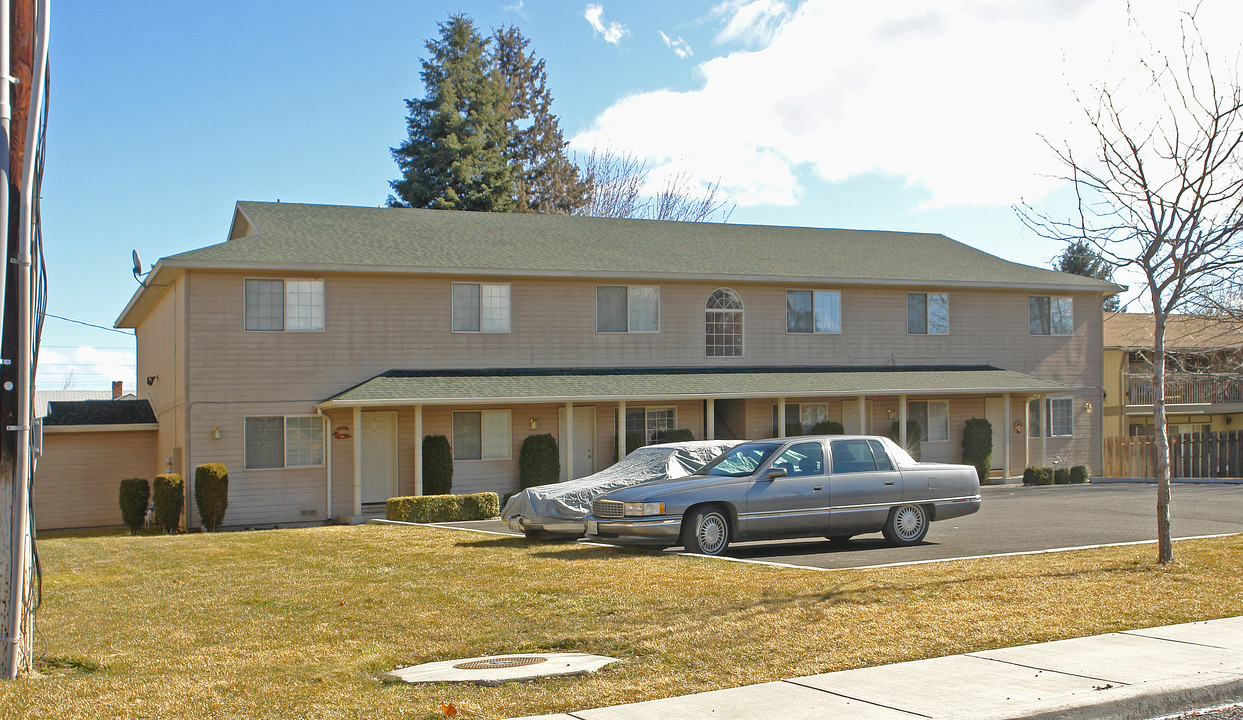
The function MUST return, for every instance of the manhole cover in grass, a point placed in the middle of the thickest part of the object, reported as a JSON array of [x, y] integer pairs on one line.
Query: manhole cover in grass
[[497, 663], [496, 669]]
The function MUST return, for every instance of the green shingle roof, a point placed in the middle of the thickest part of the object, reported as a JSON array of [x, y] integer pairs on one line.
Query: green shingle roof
[[322, 237], [429, 387]]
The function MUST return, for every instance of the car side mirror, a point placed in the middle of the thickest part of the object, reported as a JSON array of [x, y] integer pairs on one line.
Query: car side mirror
[[774, 473]]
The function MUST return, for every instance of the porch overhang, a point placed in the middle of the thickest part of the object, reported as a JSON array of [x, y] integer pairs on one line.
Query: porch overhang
[[593, 385]]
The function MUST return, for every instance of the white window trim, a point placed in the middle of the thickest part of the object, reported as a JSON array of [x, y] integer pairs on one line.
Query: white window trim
[[927, 332], [509, 444], [1051, 333], [285, 442], [799, 406], [742, 326], [628, 331], [1048, 415], [929, 401], [814, 331], [481, 331], [285, 308], [649, 409]]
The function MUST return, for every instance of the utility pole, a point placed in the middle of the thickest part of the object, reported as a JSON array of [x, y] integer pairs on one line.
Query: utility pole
[[23, 76]]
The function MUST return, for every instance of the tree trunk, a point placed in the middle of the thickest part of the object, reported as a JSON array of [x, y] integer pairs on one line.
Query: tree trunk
[[1165, 546]]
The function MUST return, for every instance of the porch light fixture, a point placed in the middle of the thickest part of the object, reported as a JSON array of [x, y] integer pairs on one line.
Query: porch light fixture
[[892, 414], [1018, 427], [215, 433], [1087, 407], [534, 424]]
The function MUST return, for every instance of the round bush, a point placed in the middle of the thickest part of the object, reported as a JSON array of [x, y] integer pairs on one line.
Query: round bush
[[679, 435], [539, 462], [1061, 476], [1029, 475], [1078, 474], [135, 493], [1044, 475], [828, 427], [437, 465], [211, 494]]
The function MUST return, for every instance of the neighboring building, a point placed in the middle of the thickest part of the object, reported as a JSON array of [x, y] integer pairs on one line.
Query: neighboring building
[[1203, 381], [88, 447], [314, 349]]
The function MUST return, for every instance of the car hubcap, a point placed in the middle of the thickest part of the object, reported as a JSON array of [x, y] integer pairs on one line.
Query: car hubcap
[[711, 533], [908, 523]]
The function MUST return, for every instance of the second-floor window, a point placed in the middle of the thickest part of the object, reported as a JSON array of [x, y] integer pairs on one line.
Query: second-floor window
[[290, 305], [813, 311], [621, 308], [723, 324], [1050, 315], [481, 307], [927, 313]]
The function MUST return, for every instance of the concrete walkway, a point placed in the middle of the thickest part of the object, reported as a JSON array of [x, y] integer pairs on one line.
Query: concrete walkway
[[1131, 674]]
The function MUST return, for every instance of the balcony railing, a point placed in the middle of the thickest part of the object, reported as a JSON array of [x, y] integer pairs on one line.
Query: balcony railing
[[1185, 389]]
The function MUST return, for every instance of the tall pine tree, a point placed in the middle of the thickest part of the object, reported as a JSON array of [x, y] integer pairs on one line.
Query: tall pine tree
[[455, 155], [1080, 258], [545, 181]]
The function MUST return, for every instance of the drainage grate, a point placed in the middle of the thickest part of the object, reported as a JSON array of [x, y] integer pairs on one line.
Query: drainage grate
[[497, 663]]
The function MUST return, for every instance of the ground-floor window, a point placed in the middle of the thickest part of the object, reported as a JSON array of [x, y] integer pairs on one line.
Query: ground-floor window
[[278, 441], [933, 417], [654, 423], [804, 415], [1059, 416], [482, 435]]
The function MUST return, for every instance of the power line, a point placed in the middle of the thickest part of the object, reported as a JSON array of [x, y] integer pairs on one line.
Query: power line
[[79, 322]]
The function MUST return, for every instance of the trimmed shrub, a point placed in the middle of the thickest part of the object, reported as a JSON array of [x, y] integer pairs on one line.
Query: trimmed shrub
[[634, 441], [211, 493], [794, 429], [134, 495], [1061, 476], [1078, 474], [168, 493], [912, 436], [539, 463], [1029, 475], [828, 427], [1038, 476], [679, 435], [443, 508], [977, 446], [437, 465]]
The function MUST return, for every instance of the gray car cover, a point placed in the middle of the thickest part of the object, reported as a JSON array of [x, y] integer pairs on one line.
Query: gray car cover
[[571, 500]]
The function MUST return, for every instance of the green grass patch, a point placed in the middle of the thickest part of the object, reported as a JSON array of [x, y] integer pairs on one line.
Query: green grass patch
[[305, 622]]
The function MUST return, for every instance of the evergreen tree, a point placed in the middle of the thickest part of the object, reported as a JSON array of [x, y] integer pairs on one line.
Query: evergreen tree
[[1080, 258], [545, 181], [455, 155]]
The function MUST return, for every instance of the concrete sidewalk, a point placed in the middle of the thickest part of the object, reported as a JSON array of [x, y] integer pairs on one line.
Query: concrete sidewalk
[[1131, 674]]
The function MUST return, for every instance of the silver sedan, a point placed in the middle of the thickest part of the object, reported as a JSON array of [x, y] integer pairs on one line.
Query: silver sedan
[[830, 486]]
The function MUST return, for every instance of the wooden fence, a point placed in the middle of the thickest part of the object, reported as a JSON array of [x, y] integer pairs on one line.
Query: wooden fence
[[1199, 455]]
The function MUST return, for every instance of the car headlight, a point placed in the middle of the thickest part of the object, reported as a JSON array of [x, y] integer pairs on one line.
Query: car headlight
[[639, 509]]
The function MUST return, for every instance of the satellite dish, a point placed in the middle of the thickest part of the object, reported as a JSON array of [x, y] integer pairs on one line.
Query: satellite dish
[[137, 267]]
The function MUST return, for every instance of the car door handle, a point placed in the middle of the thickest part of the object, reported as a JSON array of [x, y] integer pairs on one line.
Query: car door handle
[[817, 488], [889, 482]]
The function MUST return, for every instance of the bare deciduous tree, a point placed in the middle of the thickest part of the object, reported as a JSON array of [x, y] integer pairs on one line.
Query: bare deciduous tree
[[1162, 195], [616, 182]]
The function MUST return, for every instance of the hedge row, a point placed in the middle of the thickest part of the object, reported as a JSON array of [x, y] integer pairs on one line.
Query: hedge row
[[443, 508], [1061, 476]]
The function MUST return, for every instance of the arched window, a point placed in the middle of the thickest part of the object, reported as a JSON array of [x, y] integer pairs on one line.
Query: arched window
[[723, 324]]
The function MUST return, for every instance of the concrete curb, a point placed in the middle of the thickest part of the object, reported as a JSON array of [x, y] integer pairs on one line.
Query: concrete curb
[[1143, 700]]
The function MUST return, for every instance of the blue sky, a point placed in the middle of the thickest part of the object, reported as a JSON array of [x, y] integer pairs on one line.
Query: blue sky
[[908, 116]]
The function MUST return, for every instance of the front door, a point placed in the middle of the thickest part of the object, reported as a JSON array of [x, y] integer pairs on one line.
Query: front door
[[584, 461], [995, 414], [378, 436]]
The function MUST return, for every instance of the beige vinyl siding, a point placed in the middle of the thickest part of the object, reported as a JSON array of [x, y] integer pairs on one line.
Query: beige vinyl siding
[[162, 355], [78, 477]]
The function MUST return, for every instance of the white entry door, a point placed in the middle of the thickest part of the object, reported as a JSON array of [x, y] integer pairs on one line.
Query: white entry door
[[584, 461], [378, 436], [995, 414], [850, 418]]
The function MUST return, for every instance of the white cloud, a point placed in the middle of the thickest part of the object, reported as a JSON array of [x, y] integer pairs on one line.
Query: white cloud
[[85, 367], [612, 32], [515, 8], [951, 96], [751, 22], [680, 47]]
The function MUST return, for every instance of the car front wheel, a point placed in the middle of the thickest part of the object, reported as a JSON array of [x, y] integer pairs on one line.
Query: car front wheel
[[706, 531], [907, 525]]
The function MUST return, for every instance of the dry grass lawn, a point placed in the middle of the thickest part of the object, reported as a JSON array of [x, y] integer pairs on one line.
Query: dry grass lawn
[[304, 623]]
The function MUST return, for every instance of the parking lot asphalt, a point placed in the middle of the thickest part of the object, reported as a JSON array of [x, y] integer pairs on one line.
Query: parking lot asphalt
[[1015, 519]]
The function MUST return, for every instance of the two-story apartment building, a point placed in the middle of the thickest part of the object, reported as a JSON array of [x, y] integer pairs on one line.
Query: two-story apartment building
[[314, 349]]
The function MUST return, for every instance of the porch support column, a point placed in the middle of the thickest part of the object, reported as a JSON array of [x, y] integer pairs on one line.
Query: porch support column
[[418, 449], [1027, 433], [1005, 400], [569, 441], [358, 461], [710, 420], [621, 429], [863, 414], [1044, 439], [902, 421], [781, 417]]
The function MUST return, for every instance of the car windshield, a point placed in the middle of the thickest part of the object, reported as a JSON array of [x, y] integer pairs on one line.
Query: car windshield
[[740, 461]]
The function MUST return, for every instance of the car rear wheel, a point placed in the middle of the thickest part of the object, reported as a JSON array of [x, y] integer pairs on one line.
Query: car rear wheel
[[706, 531], [907, 525]]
